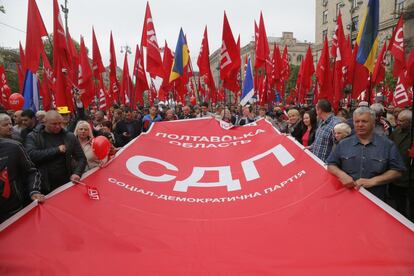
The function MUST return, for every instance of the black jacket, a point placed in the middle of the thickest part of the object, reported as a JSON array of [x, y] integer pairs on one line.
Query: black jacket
[[121, 127], [19, 178], [42, 156]]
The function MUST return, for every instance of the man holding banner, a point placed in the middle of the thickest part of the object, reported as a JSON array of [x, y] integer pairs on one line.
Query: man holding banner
[[366, 159]]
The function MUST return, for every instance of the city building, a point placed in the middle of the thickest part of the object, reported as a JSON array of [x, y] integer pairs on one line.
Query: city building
[[353, 12]]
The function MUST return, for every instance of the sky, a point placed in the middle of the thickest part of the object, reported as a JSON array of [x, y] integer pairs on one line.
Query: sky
[[125, 19]]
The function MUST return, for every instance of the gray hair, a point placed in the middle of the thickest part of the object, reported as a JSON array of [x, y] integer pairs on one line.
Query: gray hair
[[344, 127], [406, 113], [378, 108], [4, 117], [365, 109]]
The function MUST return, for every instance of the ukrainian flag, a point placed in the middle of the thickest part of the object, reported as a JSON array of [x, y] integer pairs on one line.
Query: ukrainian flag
[[181, 57], [368, 36]]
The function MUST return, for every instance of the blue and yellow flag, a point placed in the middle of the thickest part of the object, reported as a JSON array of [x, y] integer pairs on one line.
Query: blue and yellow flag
[[181, 57], [368, 36]]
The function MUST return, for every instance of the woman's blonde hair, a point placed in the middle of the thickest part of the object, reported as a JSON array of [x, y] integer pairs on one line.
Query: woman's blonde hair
[[84, 123]]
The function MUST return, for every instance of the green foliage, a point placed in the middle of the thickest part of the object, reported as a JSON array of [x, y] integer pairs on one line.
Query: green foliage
[[389, 80], [291, 83]]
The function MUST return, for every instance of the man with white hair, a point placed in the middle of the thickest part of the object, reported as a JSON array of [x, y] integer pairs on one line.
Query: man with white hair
[[382, 126], [366, 159]]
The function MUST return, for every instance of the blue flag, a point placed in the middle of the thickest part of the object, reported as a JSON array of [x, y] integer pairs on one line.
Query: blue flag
[[248, 86], [181, 57], [368, 36], [31, 92]]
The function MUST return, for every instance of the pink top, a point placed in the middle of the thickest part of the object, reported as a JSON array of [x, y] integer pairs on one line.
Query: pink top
[[305, 138]]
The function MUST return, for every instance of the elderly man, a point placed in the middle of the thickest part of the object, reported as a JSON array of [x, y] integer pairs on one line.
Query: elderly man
[[6, 128], [56, 152], [366, 159]]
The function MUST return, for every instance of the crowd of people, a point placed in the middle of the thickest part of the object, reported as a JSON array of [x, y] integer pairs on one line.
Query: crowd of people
[[366, 147]]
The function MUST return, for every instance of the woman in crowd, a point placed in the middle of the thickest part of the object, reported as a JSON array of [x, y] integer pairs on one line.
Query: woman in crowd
[[295, 124], [83, 132], [341, 131], [309, 128]]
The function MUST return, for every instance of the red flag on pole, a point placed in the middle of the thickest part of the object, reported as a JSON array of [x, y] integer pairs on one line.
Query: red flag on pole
[[307, 73], [229, 56], [203, 63], [149, 41], [168, 61], [397, 49], [5, 91], [85, 81], [126, 85], [21, 68], [34, 32], [323, 74], [141, 83], [97, 65], [262, 46], [379, 69], [114, 85], [338, 52]]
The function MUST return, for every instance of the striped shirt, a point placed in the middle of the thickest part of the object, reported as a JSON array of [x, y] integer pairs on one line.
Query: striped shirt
[[324, 137]]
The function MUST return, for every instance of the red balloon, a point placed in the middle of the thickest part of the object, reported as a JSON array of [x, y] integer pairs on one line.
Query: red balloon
[[16, 101], [101, 147]]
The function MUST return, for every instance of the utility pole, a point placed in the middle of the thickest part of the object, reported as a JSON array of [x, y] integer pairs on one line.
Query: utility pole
[[65, 10]]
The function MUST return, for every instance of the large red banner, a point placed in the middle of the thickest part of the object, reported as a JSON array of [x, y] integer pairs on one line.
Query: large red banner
[[194, 198]]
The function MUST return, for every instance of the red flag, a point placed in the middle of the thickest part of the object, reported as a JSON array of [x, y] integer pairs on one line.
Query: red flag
[[62, 86], [47, 86], [285, 72], [379, 69], [348, 62], [338, 52], [126, 85], [97, 65], [149, 40], [168, 61], [203, 63], [262, 46], [323, 74], [232, 81], [5, 91], [61, 54], [141, 83], [34, 32], [397, 49], [229, 56], [403, 95], [21, 68], [307, 73], [113, 80], [86, 83], [256, 34], [410, 68], [74, 59]]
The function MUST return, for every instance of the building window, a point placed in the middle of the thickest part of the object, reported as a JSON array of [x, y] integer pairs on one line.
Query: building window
[[338, 8], [299, 58], [399, 6], [324, 3], [325, 17], [355, 25], [325, 34]]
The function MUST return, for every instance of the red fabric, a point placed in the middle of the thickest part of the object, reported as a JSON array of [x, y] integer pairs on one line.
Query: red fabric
[[61, 55], [5, 91], [338, 51], [126, 85], [114, 85], [306, 77], [305, 138], [21, 68], [262, 46], [73, 59], [35, 30], [285, 73], [141, 82], [360, 73], [86, 83], [397, 49], [230, 54], [149, 41], [323, 74], [403, 94], [97, 65], [292, 218], [379, 69], [48, 84]]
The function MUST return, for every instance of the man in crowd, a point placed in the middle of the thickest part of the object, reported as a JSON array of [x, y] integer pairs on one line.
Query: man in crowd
[[56, 152], [366, 159], [247, 118], [19, 179], [6, 126], [186, 113], [400, 188], [324, 139], [128, 128], [17, 118], [150, 118], [204, 111], [28, 123]]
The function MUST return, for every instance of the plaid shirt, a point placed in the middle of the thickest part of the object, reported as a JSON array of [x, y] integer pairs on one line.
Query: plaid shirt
[[324, 137]]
